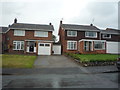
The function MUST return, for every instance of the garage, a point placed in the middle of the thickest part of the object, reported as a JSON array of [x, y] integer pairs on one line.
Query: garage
[[113, 47], [44, 48], [56, 48]]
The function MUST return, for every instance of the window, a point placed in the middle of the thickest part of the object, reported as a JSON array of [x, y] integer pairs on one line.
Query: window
[[72, 45], [72, 33], [41, 34], [41, 44], [106, 35], [47, 45], [19, 32], [18, 45], [91, 34], [99, 45]]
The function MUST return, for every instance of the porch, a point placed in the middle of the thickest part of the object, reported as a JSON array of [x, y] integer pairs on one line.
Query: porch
[[92, 46]]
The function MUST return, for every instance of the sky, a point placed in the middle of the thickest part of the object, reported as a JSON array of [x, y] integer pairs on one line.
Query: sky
[[102, 13]]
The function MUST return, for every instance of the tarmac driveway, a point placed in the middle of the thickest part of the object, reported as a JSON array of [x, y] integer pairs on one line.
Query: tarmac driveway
[[54, 61]]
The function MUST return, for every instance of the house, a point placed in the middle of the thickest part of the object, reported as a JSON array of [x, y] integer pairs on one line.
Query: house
[[86, 39], [3, 45], [24, 38], [112, 37]]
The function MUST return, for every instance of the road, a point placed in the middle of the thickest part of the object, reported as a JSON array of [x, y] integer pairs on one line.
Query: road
[[61, 72], [62, 78]]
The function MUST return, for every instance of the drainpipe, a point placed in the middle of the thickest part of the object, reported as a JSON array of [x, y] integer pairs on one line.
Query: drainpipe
[[100, 35]]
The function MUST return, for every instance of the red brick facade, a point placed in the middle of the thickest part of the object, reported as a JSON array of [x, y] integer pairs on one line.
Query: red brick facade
[[29, 35], [80, 45]]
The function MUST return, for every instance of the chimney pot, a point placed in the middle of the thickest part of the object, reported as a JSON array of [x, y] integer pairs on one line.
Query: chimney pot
[[50, 23], [91, 24], [15, 20]]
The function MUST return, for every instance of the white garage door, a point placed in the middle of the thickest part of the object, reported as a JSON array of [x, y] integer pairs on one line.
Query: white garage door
[[44, 49], [113, 47], [57, 49]]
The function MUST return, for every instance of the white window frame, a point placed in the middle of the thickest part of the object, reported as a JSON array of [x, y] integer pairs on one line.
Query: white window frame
[[19, 32], [86, 35], [41, 33], [16, 43], [70, 32], [103, 47], [68, 47], [105, 36]]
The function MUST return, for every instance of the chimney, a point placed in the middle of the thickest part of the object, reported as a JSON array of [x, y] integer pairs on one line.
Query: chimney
[[15, 20], [91, 24], [50, 23]]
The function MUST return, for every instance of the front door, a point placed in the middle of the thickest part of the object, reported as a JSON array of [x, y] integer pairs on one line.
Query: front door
[[31, 46], [88, 46]]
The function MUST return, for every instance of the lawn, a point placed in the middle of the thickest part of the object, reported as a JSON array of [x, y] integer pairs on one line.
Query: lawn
[[93, 57], [17, 61]]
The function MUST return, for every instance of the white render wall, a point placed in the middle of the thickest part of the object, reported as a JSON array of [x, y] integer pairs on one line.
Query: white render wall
[[113, 47], [57, 49]]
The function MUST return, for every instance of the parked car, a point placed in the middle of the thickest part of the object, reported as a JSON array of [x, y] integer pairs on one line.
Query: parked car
[[118, 63]]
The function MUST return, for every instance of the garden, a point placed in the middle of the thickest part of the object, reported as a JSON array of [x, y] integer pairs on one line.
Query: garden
[[94, 59]]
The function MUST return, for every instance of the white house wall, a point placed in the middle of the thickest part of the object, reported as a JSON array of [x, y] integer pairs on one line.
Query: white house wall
[[113, 47], [57, 49]]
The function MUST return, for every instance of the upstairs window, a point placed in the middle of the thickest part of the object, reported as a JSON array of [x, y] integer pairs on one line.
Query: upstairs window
[[41, 34], [91, 34], [72, 33], [19, 32], [71, 45], [106, 35]]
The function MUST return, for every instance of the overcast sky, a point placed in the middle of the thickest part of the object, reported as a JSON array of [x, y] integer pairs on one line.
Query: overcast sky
[[102, 13]]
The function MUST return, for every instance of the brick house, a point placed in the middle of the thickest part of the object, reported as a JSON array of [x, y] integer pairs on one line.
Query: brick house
[[23, 38], [3, 45], [88, 39]]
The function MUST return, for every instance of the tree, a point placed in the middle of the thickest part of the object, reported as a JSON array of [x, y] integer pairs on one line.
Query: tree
[[54, 38]]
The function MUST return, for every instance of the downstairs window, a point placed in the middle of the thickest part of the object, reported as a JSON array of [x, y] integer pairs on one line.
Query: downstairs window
[[99, 45], [18, 45], [72, 45]]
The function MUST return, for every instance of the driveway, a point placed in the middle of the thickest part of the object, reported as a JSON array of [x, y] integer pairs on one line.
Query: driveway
[[54, 61]]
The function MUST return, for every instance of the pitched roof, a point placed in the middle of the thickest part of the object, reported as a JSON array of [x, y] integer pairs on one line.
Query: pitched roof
[[31, 26], [79, 27], [110, 31], [3, 29]]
